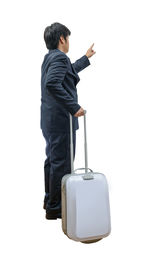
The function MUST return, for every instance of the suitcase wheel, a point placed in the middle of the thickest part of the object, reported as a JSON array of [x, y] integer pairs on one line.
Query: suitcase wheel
[[91, 241]]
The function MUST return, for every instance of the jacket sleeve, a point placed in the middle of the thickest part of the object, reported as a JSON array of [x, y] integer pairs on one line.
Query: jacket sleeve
[[55, 76], [81, 63]]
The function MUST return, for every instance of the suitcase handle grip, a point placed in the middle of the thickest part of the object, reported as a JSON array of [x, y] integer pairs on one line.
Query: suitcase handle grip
[[82, 168]]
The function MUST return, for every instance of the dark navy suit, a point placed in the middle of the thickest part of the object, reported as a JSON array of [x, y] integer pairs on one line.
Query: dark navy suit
[[58, 98]]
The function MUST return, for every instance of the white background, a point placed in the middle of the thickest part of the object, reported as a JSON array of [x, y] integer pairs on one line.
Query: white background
[[114, 90]]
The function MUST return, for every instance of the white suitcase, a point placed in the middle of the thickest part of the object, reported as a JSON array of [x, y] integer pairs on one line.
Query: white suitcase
[[85, 201]]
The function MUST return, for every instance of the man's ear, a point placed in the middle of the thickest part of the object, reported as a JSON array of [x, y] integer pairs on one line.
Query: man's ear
[[62, 40]]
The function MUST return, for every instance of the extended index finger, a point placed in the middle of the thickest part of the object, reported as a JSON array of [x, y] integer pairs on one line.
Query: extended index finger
[[92, 45]]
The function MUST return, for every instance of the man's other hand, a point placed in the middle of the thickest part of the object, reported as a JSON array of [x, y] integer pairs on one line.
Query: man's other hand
[[79, 113]]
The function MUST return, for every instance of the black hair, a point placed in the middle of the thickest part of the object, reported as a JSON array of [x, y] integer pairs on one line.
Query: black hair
[[52, 35]]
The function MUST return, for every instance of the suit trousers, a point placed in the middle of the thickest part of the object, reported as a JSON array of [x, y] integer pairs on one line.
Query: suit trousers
[[56, 165]]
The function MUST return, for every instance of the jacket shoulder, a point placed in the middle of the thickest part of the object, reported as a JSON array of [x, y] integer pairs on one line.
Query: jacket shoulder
[[57, 56]]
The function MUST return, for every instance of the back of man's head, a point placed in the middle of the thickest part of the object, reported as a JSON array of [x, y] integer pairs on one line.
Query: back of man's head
[[52, 35]]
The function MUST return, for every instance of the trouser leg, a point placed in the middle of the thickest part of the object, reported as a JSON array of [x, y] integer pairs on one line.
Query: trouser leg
[[46, 166], [56, 166], [46, 178]]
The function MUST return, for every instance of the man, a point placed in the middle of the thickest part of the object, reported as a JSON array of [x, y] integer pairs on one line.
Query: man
[[59, 98]]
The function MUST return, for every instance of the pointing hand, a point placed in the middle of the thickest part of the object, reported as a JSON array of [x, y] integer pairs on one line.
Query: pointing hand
[[90, 52]]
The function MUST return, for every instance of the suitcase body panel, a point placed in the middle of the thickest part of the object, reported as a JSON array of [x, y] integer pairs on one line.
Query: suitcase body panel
[[85, 207], [85, 201]]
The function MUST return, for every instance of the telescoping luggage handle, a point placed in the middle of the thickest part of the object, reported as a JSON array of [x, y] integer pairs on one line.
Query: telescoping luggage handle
[[88, 175]]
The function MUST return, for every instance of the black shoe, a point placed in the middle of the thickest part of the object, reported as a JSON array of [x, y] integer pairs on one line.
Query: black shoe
[[50, 216]]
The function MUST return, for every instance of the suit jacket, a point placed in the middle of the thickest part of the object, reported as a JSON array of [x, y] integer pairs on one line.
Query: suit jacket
[[58, 91]]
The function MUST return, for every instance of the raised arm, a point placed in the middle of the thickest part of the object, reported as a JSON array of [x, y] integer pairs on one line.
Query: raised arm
[[83, 62]]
